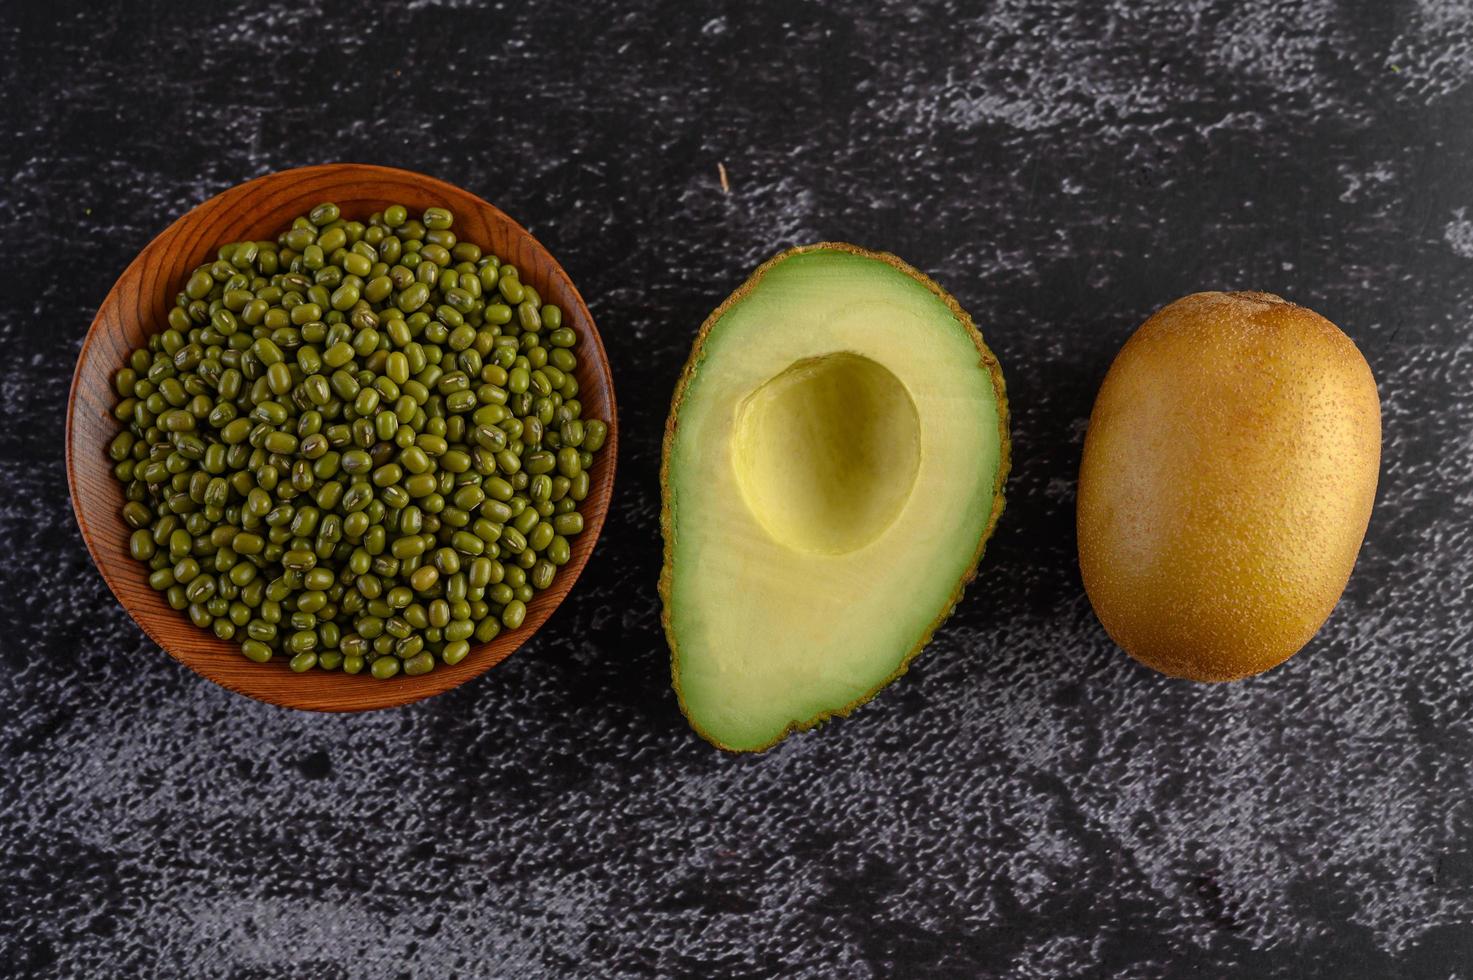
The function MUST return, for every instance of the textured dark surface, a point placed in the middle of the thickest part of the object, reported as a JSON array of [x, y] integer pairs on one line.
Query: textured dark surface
[[1026, 802]]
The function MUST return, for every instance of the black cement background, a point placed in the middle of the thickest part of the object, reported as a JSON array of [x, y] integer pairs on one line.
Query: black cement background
[[1026, 802]]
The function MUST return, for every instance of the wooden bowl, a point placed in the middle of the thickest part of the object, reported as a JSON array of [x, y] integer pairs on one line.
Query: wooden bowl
[[137, 306]]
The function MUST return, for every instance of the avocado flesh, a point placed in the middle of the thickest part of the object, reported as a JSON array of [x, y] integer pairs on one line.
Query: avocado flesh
[[833, 465]]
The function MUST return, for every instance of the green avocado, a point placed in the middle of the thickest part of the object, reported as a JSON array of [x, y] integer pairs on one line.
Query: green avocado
[[833, 465]]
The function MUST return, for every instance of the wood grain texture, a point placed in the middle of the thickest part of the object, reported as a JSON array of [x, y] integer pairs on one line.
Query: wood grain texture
[[137, 306]]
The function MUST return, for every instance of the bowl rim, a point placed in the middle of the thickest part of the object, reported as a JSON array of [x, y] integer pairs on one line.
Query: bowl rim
[[400, 690]]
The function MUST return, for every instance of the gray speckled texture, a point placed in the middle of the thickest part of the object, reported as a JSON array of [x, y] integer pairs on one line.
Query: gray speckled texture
[[1026, 802]]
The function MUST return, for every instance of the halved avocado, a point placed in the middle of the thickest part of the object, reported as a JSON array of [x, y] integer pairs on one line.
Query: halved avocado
[[833, 466]]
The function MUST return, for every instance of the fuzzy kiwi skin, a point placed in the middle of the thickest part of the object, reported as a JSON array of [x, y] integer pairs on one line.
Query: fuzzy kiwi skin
[[667, 504], [1227, 483]]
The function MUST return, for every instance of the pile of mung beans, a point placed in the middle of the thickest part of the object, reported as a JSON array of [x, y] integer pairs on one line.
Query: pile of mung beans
[[358, 446]]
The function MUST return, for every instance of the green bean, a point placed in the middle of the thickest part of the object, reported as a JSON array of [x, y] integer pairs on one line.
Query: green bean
[[356, 446]]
